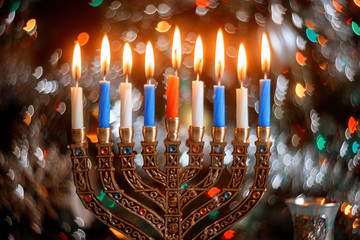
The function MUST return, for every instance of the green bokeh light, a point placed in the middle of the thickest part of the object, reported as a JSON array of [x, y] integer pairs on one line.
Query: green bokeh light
[[95, 3], [355, 147], [312, 35], [355, 28], [15, 6], [356, 97], [321, 142]]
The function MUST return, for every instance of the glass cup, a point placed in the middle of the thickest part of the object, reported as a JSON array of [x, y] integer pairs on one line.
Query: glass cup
[[313, 217]]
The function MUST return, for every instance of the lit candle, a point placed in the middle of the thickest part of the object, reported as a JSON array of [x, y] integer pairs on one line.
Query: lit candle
[[104, 99], [265, 84], [149, 89], [125, 90], [198, 87], [242, 120], [77, 120], [219, 90], [172, 90]]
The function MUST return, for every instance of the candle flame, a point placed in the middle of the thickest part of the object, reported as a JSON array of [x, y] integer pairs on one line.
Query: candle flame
[[176, 50], [105, 55], [127, 60], [149, 61], [241, 68], [198, 58], [219, 56], [76, 67], [265, 55]]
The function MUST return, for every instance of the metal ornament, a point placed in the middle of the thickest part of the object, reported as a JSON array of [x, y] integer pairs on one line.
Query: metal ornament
[[170, 206]]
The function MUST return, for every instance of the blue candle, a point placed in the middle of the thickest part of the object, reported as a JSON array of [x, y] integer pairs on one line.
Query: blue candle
[[264, 103], [104, 105], [219, 106], [149, 102]]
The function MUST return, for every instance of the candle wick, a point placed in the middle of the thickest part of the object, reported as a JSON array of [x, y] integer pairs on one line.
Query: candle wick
[[104, 71], [76, 76], [241, 83], [126, 78], [197, 77], [149, 80], [176, 72], [265, 76], [219, 65]]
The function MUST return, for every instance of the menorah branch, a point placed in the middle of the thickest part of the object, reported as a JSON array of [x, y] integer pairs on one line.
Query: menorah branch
[[238, 167], [262, 168], [106, 172], [80, 170], [216, 167], [128, 169]]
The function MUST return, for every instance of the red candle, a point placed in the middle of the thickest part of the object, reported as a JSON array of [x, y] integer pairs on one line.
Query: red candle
[[172, 91]]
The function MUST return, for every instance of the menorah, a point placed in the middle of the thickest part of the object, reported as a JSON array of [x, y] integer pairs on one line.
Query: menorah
[[165, 217]]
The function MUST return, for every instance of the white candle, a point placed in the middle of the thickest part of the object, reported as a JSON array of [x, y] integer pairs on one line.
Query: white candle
[[126, 105], [77, 120], [242, 108], [125, 90], [242, 119], [198, 103], [198, 87]]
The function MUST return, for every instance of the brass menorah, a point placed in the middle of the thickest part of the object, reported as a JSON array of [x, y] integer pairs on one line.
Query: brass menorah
[[165, 217]]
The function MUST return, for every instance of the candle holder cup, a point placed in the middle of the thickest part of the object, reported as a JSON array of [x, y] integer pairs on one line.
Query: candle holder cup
[[175, 203]]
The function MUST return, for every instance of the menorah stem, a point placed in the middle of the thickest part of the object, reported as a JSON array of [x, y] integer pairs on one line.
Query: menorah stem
[[172, 189]]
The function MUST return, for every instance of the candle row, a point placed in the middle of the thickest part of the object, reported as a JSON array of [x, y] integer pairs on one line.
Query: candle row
[[172, 90]]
